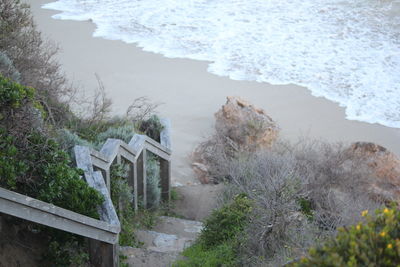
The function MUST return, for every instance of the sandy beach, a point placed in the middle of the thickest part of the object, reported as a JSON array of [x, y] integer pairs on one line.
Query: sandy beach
[[190, 95]]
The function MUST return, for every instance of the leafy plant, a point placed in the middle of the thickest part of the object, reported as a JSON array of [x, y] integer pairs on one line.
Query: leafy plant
[[375, 242], [11, 167], [226, 223], [13, 95], [218, 242], [197, 256], [68, 253], [122, 197]]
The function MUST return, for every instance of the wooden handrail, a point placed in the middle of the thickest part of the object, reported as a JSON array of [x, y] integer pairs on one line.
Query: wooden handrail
[[135, 154], [37, 211]]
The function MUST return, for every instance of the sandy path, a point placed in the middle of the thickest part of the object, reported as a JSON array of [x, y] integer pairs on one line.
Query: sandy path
[[190, 94]]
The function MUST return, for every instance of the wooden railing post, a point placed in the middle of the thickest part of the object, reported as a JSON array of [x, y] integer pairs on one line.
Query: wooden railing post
[[135, 185], [103, 254], [108, 181], [165, 176], [142, 176]]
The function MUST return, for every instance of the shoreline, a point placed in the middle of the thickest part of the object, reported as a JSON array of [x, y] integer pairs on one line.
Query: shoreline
[[191, 95]]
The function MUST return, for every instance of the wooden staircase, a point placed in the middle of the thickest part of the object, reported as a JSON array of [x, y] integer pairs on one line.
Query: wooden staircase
[[103, 234]]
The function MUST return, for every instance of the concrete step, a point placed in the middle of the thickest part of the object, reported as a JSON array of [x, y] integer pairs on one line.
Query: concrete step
[[170, 234], [142, 257], [161, 242], [180, 227]]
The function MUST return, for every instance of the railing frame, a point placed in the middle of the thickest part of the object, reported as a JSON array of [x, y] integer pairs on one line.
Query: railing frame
[[135, 154], [104, 233]]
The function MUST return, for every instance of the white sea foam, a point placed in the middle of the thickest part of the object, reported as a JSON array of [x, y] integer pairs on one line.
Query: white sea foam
[[347, 51]]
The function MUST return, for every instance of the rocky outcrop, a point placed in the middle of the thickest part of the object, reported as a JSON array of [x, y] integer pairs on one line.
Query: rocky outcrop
[[385, 167], [250, 128], [240, 126]]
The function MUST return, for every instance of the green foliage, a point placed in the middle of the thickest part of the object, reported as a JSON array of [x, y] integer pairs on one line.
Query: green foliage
[[64, 254], [197, 256], [175, 195], [37, 167], [13, 95], [376, 242], [306, 207], [55, 181], [122, 197], [226, 223], [219, 240], [153, 188], [11, 167]]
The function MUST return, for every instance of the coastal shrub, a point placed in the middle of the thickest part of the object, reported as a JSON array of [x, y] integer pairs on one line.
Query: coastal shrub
[[123, 132], [13, 95], [226, 223], [279, 230], [50, 178], [153, 188], [197, 256], [218, 242], [68, 140], [7, 68], [11, 167], [302, 193], [72, 252], [29, 59], [33, 164], [122, 197], [374, 242], [151, 127]]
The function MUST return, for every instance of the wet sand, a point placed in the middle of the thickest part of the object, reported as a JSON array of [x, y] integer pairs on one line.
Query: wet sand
[[190, 95]]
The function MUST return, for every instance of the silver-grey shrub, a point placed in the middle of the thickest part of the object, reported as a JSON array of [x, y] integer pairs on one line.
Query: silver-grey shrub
[[7, 68], [123, 132], [328, 177]]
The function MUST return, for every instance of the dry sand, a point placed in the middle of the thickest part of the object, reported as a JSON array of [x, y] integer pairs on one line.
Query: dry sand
[[190, 94]]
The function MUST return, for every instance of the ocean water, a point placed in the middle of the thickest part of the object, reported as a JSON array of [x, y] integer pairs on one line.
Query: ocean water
[[347, 51]]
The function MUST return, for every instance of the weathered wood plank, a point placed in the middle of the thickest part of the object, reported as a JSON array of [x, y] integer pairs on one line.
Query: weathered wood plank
[[37, 211], [96, 181]]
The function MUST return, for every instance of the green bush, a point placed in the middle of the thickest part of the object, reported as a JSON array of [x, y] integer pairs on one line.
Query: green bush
[[375, 242], [41, 170], [11, 166], [122, 197], [226, 223], [221, 255], [219, 240], [13, 95], [72, 252]]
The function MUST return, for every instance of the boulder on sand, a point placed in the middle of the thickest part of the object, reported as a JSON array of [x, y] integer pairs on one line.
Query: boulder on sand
[[250, 128]]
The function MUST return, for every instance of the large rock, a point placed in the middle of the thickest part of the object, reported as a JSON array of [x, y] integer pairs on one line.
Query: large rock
[[247, 126], [385, 167]]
